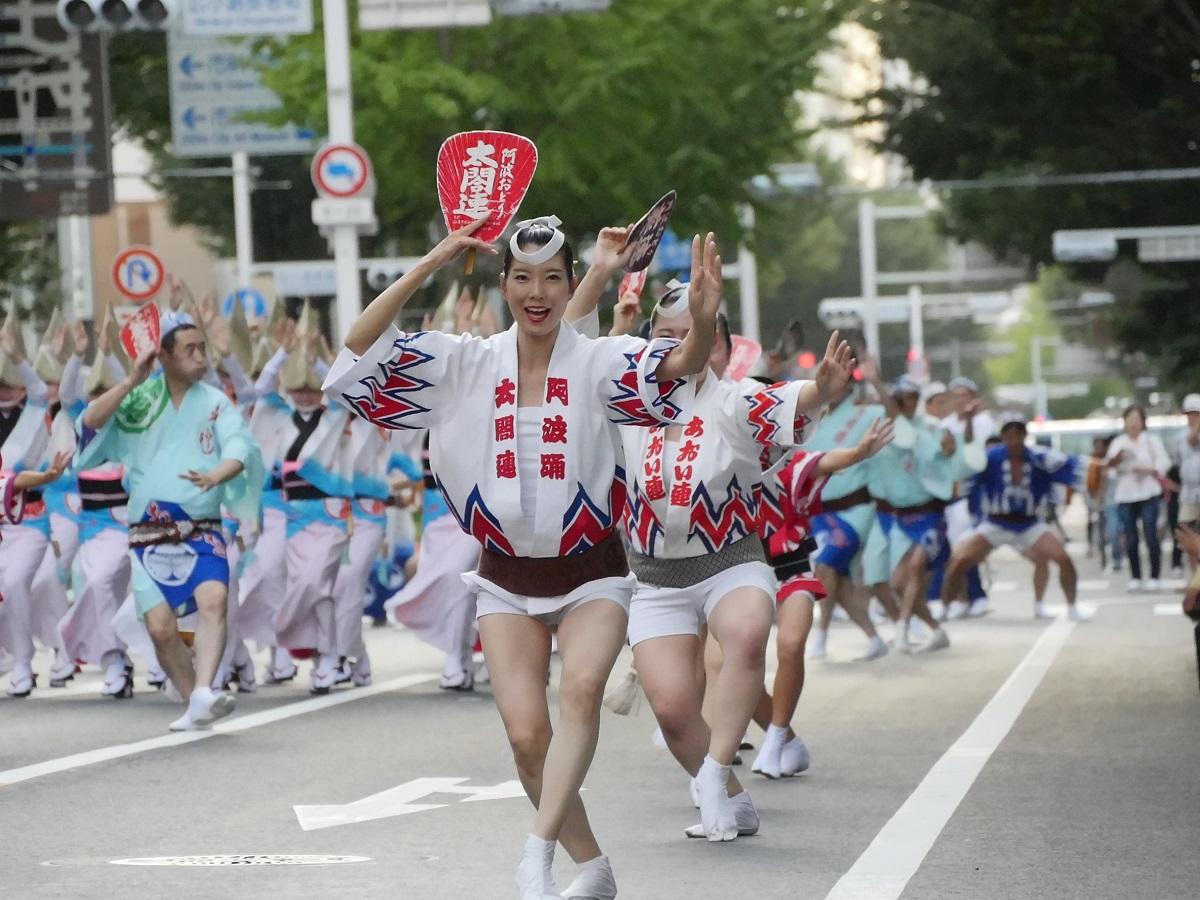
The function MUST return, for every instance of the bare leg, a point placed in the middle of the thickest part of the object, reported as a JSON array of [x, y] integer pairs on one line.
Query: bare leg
[[589, 639], [856, 604], [916, 585], [662, 664], [1049, 549], [211, 601], [969, 553], [795, 621], [517, 650], [173, 654], [741, 623], [887, 597]]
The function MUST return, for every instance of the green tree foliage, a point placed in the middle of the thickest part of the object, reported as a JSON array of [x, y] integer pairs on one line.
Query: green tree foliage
[[695, 95], [1004, 87]]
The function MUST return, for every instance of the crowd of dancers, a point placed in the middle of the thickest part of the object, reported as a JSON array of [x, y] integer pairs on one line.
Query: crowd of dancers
[[574, 493]]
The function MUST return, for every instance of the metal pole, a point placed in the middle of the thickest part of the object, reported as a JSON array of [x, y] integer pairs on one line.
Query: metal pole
[[748, 279], [867, 272], [341, 130], [75, 265], [916, 322], [242, 227], [1040, 403]]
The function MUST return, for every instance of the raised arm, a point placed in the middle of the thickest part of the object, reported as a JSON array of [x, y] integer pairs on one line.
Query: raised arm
[[704, 301], [878, 436], [608, 258], [870, 371], [832, 376], [382, 311], [100, 410]]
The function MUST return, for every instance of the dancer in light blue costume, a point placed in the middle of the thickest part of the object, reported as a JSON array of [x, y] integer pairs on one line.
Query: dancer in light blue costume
[[842, 527], [187, 451], [911, 479]]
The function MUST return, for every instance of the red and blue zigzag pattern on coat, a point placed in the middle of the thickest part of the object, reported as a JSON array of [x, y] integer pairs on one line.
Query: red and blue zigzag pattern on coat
[[762, 404], [716, 527], [584, 525], [479, 521], [626, 401], [643, 527], [390, 399]]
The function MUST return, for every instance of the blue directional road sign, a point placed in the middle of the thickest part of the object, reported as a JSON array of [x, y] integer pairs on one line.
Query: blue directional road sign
[[674, 255], [252, 300], [213, 90], [236, 17]]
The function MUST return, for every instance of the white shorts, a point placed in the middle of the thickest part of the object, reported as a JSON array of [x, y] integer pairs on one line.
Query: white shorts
[[998, 536], [660, 612], [491, 599]]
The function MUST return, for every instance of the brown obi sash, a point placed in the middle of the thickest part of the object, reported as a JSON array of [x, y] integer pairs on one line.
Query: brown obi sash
[[851, 500], [554, 576], [932, 506], [144, 534]]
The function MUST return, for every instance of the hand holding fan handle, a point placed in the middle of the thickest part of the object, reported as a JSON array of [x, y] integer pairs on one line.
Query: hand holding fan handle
[[382, 311]]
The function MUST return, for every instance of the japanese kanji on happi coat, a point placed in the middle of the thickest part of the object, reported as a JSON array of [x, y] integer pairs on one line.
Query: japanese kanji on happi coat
[[484, 173]]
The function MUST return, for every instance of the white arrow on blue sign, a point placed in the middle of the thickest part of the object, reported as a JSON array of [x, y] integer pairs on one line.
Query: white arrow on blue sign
[[252, 300], [215, 88]]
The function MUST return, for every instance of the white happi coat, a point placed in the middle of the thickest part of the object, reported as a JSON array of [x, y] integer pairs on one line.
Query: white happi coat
[[701, 494], [12, 501], [464, 389]]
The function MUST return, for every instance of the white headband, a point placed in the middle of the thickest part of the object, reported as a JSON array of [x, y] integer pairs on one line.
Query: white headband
[[677, 308], [541, 254]]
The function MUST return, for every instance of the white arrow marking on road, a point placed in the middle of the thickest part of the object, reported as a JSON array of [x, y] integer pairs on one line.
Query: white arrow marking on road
[[400, 801]]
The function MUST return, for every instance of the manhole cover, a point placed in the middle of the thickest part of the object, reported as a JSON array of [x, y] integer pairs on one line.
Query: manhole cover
[[247, 859]]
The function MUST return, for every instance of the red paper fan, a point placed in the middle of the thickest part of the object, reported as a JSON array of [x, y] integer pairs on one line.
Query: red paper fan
[[484, 171], [743, 357], [141, 332], [633, 281]]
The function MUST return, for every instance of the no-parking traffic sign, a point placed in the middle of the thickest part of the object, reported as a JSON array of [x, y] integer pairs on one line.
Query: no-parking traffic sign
[[342, 171], [138, 273]]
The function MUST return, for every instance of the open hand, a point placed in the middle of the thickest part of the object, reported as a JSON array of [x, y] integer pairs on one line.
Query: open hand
[[142, 366], [11, 345], [612, 248], [203, 480], [626, 313], [878, 436], [704, 291], [456, 243], [949, 444], [79, 339], [836, 369]]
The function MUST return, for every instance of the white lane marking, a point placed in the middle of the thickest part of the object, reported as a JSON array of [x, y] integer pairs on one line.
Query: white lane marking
[[1168, 609], [893, 857], [400, 801], [1058, 610], [241, 723]]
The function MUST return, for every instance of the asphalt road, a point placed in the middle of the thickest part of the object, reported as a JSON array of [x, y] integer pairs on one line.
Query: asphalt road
[[1031, 759]]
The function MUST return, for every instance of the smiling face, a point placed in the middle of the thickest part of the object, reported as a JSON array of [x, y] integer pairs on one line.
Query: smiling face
[[537, 295]]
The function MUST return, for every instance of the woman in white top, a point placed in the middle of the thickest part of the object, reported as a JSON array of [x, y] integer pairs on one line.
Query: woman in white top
[[1140, 461]]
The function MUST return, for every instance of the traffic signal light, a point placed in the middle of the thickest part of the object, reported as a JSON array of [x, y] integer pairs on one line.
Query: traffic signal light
[[115, 15]]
